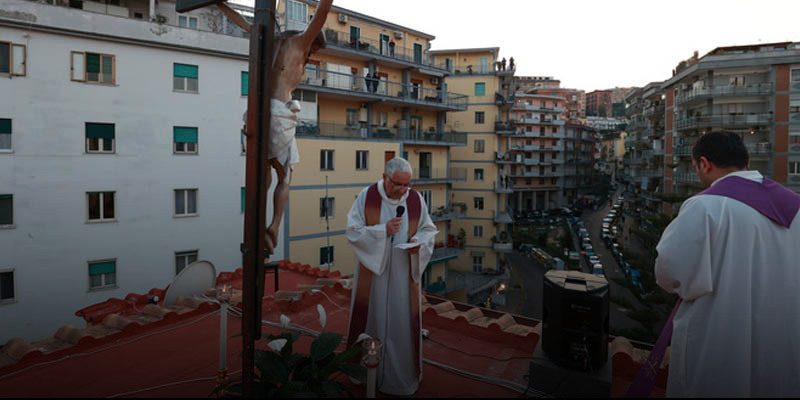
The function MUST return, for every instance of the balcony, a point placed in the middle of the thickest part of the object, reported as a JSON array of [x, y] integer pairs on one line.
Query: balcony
[[541, 121], [504, 188], [388, 51], [658, 152], [339, 84], [535, 174], [686, 178], [763, 89], [724, 121], [504, 98], [504, 247], [430, 176], [322, 129], [442, 254], [759, 150], [503, 218], [521, 105], [505, 128], [682, 151], [446, 214]]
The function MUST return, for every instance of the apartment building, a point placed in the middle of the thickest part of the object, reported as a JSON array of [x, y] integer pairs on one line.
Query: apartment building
[[575, 98], [374, 93], [644, 155], [610, 150], [120, 150], [486, 191], [753, 90], [599, 103]]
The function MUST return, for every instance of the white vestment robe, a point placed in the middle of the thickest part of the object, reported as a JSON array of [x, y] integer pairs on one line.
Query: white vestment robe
[[389, 318], [737, 333]]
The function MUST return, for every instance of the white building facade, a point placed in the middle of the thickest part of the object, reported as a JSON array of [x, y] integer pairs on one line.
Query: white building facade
[[120, 156]]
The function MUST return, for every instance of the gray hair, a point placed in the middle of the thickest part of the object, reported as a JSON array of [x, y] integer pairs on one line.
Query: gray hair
[[397, 165]]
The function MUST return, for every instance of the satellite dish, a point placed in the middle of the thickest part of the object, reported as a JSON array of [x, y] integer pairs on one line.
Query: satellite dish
[[194, 280]]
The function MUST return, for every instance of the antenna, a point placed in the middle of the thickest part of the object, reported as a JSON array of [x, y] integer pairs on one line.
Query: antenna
[[193, 280]]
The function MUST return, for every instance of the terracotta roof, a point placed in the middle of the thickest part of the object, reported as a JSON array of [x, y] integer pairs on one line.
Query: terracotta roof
[[138, 347]]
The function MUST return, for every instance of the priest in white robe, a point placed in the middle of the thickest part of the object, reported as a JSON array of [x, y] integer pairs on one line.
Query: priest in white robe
[[733, 256], [386, 294]]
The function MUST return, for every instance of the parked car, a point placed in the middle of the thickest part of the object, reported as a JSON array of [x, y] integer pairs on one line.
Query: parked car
[[597, 269], [594, 260], [606, 225]]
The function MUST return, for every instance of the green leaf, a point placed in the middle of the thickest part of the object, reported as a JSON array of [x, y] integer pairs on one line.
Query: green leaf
[[345, 388], [340, 358], [295, 389], [331, 389], [355, 371], [296, 360], [324, 345], [273, 368]]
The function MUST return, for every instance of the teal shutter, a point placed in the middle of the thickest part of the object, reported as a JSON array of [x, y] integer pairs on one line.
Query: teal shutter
[[244, 83], [480, 89], [184, 134], [107, 66], [243, 199], [185, 71], [5, 126], [417, 53], [102, 268], [92, 63], [102, 131]]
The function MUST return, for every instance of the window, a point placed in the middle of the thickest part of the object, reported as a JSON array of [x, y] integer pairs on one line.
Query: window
[[305, 95], [477, 231], [449, 65], [99, 138], [245, 82], [326, 256], [184, 140], [327, 207], [553, 180], [362, 158], [101, 206], [483, 65], [187, 22], [794, 138], [296, 15], [480, 145], [477, 262], [478, 203], [796, 75], [480, 89], [5, 134], [381, 118], [184, 78], [355, 33], [417, 53], [478, 174], [6, 210], [326, 160], [794, 168], [352, 118], [13, 59], [185, 202], [183, 259], [102, 274], [427, 195], [93, 67], [7, 286], [479, 117]]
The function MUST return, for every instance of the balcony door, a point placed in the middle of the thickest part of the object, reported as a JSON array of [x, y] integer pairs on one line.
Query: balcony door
[[425, 165], [417, 53], [415, 131], [385, 45]]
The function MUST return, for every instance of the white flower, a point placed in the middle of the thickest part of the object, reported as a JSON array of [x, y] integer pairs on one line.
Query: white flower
[[285, 321], [362, 336], [277, 344], [322, 316]]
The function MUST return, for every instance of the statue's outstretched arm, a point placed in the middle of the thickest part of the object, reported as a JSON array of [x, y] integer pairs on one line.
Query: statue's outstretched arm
[[315, 27]]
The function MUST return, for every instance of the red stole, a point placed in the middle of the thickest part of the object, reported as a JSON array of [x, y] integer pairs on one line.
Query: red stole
[[360, 311]]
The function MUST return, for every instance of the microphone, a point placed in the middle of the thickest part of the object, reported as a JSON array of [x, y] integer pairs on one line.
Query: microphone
[[400, 211]]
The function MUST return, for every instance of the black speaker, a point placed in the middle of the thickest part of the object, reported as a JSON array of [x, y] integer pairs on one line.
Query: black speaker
[[575, 319]]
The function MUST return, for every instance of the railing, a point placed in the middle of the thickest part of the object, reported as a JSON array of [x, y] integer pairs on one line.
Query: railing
[[682, 151], [658, 152], [521, 105], [314, 76], [501, 188], [442, 254], [308, 128], [759, 149], [372, 46], [508, 126], [503, 217], [686, 177], [504, 97], [724, 120], [536, 174], [503, 247], [446, 214], [761, 89], [433, 175], [541, 121]]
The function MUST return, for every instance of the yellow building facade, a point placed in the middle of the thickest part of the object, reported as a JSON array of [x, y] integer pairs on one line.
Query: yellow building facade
[[372, 94]]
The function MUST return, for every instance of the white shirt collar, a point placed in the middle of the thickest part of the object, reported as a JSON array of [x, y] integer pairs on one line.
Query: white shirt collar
[[752, 175], [389, 200]]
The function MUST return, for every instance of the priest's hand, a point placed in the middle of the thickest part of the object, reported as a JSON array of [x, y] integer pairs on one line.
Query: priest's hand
[[413, 250], [393, 226]]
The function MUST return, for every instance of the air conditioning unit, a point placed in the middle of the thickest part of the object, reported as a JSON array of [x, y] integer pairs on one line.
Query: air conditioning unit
[[342, 19], [398, 34]]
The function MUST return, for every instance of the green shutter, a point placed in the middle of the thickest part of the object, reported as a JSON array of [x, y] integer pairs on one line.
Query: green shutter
[[5, 196], [107, 64], [102, 268], [480, 89], [186, 71], [242, 199], [185, 135], [5, 126], [244, 83], [92, 63], [103, 131]]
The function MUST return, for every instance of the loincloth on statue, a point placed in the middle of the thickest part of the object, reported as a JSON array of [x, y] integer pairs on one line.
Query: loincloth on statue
[[283, 123]]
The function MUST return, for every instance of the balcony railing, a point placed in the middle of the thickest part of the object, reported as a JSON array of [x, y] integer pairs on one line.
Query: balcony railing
[[535, 174], [503, 247], [521, 105], [762, 89], [313, 76], [308, 128], [541, 121], [438, 175], [503, 218], [387, 49], [507, 127], [759, 149], [447, 214], [504, 98], [682, 151], [724, 120], [443, 254], [504, 188], [690, 178]]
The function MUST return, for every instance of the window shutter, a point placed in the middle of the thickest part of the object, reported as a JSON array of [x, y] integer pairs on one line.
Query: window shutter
[[323, 255], [243, 199], [102, 131], [5, 58], [5, 126], [185, 71], [93, 63], [102, 268], [245, 80], [78, 66], [18, 59], [184, 134], [108, 65]]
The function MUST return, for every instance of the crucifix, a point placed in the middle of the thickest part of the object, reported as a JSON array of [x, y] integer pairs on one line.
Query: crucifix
[[276, 66]]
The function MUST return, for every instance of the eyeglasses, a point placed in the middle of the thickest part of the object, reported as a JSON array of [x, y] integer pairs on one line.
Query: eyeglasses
[[404, 185]]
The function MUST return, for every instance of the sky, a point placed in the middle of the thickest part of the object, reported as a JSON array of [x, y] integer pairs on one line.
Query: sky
[[588, 44]]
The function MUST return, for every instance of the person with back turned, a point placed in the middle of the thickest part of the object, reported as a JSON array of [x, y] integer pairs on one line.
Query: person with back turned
[[733, 257], [386, 301]]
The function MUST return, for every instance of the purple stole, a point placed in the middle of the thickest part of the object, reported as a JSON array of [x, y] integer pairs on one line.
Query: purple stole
[[772, 200], [358, 319]]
